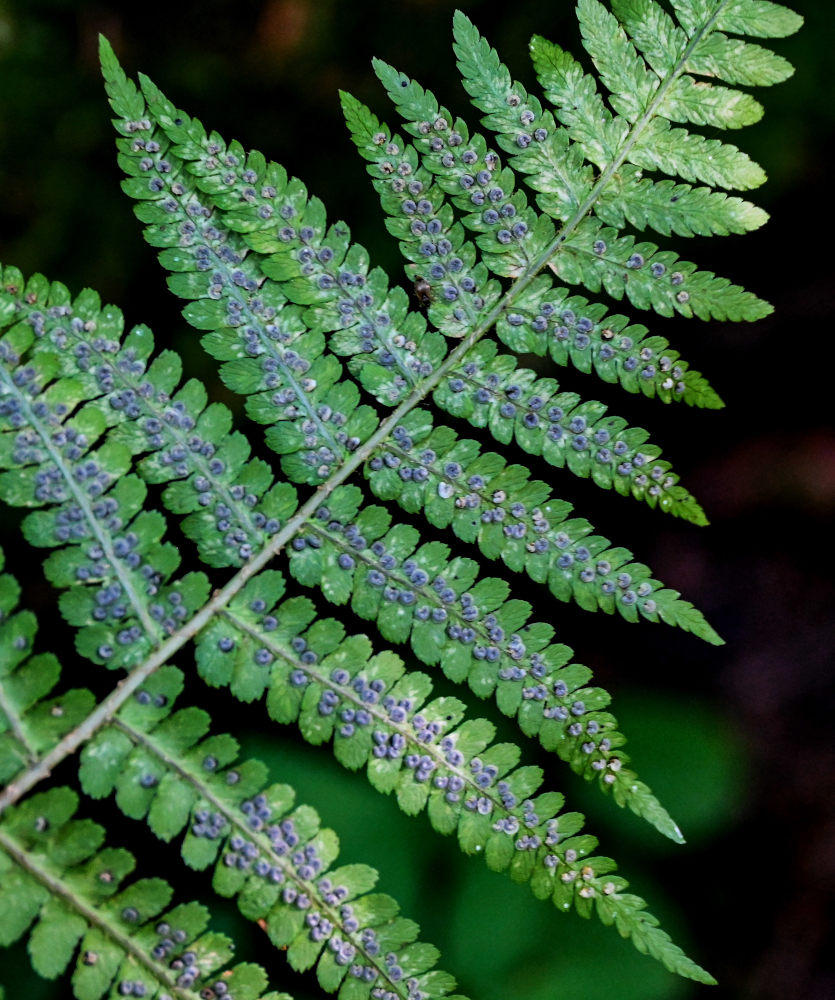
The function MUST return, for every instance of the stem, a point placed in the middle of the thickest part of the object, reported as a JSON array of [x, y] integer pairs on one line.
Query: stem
[[16, 726]]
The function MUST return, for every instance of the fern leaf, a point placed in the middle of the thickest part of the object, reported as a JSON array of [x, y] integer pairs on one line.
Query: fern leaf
[[88, 417], [53, 870], [304, 381], [29, 723], [107, 549], [760, 18], [273, 857], [658, 147], [597, 257], [232, 506], [379, 717], [490, 391], [689, 100], [549, 156], [738, 62], [693, 157], [510, 517], [669, 208], [572, 330]]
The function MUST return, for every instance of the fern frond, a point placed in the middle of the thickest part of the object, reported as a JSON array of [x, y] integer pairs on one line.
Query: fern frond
[[231, 502], [512, 518], [251, 683], [379, 717], [53, 869], [459, 629], [634, 96], [274, 858], [108, 550], [462, 159], [303, 326]]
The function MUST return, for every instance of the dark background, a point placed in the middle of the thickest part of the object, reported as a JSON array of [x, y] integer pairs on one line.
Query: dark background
[[736, 741]]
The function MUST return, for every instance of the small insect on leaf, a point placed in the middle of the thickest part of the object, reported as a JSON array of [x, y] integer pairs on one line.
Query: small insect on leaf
[[423, 292]]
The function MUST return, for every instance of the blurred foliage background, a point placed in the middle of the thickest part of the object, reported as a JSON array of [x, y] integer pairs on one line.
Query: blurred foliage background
[[737, 742]]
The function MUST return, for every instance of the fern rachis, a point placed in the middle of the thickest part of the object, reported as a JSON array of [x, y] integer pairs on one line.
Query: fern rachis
[[90, 416]]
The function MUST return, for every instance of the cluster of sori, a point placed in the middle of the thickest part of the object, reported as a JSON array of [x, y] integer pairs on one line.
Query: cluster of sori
[[532, 139], [275, 855], [565, 430], [232, 514], [283, 858], [246, 319], [468, 626], [547, 320], [130, 947], [174, 946], [379, 715], [471, 173], [455, 289], [510, 516]]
